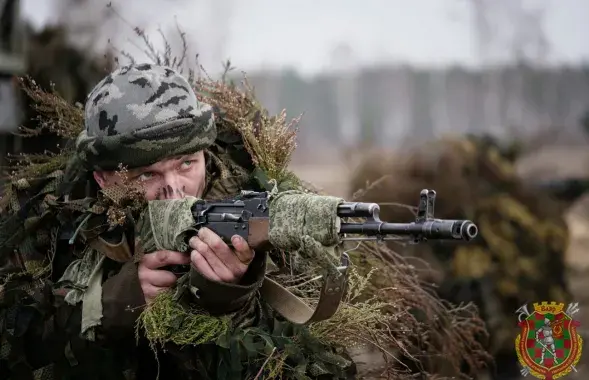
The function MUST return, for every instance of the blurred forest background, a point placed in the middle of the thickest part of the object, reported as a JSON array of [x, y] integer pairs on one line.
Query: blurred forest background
[[519, 72], [513, 84]]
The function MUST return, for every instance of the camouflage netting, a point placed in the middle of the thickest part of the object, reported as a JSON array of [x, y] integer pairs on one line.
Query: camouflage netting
[[389, 308], [518, 255]]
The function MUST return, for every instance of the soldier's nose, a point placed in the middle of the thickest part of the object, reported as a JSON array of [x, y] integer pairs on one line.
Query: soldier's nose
[[172, 188]]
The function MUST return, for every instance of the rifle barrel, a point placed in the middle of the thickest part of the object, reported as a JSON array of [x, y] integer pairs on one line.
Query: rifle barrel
[[424, 227], [429, 229]]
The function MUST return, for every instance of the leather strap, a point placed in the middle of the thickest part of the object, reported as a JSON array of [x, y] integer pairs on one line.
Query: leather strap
[[295, 310], [120, 252]]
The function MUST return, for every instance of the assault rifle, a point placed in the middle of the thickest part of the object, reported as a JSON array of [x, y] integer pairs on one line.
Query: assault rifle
[[249, 217]]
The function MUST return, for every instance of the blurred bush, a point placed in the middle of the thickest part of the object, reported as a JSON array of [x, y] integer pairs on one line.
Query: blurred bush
[[518, 256], [54, 63]]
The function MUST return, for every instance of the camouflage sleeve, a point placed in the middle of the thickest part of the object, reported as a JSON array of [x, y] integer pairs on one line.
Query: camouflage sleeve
[[122, 302]]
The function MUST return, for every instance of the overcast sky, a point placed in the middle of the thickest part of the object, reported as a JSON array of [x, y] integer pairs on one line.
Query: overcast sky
[[302, 34]]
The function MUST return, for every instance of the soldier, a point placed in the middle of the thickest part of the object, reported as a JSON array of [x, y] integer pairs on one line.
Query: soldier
[[547, 340], [75, 318]]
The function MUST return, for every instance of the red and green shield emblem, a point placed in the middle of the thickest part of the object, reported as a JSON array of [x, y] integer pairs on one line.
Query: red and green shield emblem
[[548, 346]]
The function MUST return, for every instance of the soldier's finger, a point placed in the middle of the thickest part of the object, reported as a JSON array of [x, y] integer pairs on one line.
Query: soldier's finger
[[161, 278], [162, 258], [242, 250], [235, 266], [222, 272], [218, 266], [194, 242], [201, 264], [217, 246]]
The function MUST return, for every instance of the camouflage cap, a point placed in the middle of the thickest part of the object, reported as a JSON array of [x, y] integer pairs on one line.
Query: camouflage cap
[[140, 114]]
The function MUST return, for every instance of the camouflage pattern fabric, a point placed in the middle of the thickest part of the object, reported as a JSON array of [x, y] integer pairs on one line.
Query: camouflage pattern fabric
[[306, 223], [164, 225], [517, 258], [83, 281], [140, 114]]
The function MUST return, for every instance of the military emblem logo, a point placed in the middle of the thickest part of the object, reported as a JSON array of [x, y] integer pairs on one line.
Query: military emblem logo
[[548, 346]]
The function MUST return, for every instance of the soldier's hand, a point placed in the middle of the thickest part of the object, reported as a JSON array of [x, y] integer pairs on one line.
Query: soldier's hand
[[152, 279], [216, 260]]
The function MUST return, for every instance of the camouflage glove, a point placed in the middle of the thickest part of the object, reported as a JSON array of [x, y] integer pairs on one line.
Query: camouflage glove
[[166, 225], [308, 224]]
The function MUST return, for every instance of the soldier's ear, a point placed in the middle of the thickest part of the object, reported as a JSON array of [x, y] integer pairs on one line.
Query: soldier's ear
[[100, 179]]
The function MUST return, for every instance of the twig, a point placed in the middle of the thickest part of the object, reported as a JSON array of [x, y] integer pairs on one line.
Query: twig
[[264, 365]]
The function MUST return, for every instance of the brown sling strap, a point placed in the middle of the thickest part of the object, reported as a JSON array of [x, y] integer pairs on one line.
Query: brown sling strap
[[119, 252], [296, 310]]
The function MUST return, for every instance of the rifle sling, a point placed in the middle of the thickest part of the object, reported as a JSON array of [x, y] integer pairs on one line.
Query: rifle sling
[[119, 252], [295, 310]]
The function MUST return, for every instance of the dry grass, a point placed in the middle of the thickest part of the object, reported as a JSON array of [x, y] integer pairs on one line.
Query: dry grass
[[270, 140]]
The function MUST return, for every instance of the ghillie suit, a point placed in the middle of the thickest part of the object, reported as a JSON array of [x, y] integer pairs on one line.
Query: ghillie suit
[[518, 256], [53, 215]]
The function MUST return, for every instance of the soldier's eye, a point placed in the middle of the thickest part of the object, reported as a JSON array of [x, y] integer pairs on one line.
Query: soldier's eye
[[145, 176], [187, 163]]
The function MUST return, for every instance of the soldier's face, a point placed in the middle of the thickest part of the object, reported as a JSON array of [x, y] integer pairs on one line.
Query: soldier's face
[[171, 178]]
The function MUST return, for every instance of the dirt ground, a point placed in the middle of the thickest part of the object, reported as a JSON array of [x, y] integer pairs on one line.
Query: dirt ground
[[332, 178]]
